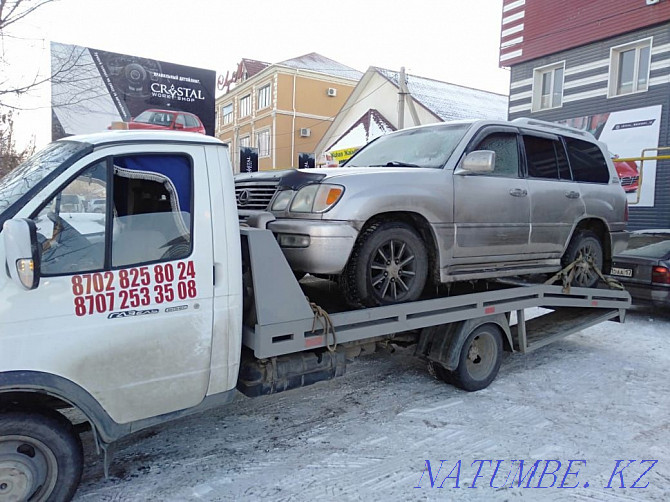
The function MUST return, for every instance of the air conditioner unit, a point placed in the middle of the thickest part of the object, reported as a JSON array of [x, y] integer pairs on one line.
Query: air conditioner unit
[[333, 92], [305, 132]]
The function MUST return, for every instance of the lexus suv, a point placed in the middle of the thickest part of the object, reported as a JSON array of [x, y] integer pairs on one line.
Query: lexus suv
[[447, 202]]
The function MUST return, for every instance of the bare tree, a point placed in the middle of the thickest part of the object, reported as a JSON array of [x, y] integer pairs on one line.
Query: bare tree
[[10, 157], [11, 12]]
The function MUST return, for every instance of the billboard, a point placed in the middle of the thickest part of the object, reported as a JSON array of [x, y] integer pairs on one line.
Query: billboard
[[248, 159], [626, 134], [306, 160], [94, 90]]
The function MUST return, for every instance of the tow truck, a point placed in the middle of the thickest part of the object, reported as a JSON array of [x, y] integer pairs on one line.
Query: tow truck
[[163, 305]]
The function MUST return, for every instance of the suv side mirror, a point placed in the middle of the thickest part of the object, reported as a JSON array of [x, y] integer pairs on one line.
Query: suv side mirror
[[21, 249], [478, 162]]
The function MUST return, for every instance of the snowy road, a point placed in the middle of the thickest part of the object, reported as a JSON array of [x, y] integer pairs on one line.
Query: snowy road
[[599, 396]]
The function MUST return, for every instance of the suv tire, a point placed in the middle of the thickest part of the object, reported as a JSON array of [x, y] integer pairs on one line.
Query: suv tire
[[389, 264], [588, 245]]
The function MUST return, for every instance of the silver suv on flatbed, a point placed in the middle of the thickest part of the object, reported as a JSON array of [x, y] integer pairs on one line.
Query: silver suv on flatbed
[[447, 202]]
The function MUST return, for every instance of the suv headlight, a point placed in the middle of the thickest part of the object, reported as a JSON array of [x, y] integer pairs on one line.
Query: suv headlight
[[281, 201], [316, 198]]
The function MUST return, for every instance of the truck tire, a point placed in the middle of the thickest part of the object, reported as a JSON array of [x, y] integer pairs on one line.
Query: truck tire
[[389, 264], [589, 246], [480, 358], [40, 457]]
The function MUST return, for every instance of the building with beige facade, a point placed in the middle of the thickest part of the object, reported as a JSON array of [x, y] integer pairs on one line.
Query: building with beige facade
[[282, 109]]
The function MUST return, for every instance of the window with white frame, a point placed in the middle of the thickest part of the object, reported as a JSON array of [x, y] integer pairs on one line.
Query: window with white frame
[[227, 113], [264, 97], [245, 105], [629, 68], [263, 143], [245, 142], [548, 86]]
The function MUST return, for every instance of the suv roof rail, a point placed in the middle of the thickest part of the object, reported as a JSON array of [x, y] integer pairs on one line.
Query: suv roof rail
[[552, 125]]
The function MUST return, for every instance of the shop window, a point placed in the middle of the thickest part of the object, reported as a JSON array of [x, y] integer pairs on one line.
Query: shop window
[[227, 113], [548, 87], [264, 97], [263, 143], [629, 68], [245, 106]]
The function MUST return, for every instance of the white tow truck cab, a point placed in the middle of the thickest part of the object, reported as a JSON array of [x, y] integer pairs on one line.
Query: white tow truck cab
[[161, 305]]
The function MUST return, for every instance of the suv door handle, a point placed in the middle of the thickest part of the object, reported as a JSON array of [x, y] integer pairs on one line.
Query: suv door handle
[[518, 192], [572, 194]]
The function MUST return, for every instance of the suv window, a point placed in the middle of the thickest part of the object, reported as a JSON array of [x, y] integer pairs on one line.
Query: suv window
[[587, 161], [545, 158], [507, 153]]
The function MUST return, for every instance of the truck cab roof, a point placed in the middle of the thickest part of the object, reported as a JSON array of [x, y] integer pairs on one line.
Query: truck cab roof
[[143, 136]]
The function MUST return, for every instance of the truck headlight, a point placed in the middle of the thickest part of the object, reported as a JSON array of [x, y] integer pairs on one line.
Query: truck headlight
[[282, 200], [316, 198]]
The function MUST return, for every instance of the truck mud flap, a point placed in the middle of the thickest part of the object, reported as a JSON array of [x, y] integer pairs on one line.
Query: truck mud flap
[[259, 377]]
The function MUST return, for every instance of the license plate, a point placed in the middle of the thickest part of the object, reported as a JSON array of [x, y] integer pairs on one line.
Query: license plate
[[622, 272]]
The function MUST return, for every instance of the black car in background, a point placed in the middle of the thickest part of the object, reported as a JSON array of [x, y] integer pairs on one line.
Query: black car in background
[[644, 268]]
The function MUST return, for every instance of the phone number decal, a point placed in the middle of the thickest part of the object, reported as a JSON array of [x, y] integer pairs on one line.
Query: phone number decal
[[130, 288]]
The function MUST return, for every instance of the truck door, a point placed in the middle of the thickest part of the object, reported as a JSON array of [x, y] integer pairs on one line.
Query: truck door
[[124, 306], [492, 211]]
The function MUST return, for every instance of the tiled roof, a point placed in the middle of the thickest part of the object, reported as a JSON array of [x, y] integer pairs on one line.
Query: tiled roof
[[253, 67], [321, 64], [451, 101]]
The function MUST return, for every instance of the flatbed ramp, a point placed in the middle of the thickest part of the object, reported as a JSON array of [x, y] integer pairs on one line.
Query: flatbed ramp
[[453, 332], [285, 323]]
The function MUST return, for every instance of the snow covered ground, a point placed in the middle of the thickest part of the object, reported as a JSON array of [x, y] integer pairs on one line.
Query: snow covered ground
[[600, 396]]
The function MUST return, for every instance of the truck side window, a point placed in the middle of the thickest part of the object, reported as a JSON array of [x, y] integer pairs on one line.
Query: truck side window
[[507, 153], [152, 209], [70, 232]]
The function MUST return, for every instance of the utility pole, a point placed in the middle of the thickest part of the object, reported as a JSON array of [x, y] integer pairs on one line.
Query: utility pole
[[402, 92], [401, 99]]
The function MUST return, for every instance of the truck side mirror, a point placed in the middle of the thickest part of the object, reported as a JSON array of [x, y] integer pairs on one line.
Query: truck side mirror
[[478, 162], [21, 248]]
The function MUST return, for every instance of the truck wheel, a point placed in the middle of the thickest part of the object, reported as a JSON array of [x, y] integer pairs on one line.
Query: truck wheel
[[589, 246], [389, 264], [40, 457], [480, 359]]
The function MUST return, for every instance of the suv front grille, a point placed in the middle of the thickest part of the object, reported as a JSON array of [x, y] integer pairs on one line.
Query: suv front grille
[[255, 194]]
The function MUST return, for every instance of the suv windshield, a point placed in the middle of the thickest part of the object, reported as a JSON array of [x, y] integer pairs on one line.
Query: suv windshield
[[420, 147], [29, 174]]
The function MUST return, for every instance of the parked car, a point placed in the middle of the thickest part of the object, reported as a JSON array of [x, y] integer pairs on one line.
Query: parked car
[[644, 268], [167, 119], [447, 202], [97, 206], [627, 172]]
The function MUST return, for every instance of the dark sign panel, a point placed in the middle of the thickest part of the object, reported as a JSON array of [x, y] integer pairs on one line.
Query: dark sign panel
[[248, 159], [97, 90], [306, 160]]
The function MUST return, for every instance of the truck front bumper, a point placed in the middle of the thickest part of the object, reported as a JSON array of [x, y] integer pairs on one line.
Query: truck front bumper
[[315, 247]]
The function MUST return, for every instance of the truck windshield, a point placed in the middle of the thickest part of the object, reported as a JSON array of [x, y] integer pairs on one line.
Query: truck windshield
[[40, 166], [420, 147]]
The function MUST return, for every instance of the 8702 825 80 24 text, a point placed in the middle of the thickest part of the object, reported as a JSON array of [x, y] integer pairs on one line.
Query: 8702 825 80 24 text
[[553, 473]]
